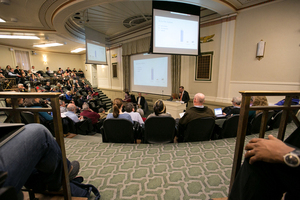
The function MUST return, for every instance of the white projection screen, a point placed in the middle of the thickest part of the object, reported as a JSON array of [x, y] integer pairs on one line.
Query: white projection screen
[[175, 33], [151, 73], [95, 53]]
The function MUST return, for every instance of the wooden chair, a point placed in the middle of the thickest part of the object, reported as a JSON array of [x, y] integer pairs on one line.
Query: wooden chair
[[243, 121], [14, 113]]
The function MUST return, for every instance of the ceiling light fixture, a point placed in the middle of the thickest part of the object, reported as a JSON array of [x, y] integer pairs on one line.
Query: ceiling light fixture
[[25, 37], [78, 50], [48, 45], [2, 20]]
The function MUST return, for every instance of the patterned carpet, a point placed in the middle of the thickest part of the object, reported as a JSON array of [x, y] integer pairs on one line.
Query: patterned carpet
[[185, 171]]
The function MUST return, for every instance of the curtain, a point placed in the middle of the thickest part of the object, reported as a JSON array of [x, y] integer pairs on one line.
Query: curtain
[[128, 49], [22, 58], [176, 73]]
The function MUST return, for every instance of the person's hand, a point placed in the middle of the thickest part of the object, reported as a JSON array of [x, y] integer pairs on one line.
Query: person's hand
[[271, 151]]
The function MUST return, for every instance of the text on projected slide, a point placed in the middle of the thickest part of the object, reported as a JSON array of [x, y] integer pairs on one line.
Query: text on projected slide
[[151, 72], [183, 32], [96, 52]]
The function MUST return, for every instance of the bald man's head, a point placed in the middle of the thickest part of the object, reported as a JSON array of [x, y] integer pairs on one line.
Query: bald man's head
[[199, 99], [71, 107]]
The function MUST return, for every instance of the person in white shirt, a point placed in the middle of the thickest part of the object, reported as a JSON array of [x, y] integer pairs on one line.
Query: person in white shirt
[[33, 70], [71, 113], [129, 108]]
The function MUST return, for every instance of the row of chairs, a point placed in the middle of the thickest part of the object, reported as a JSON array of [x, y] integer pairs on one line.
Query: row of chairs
[[163, 130]]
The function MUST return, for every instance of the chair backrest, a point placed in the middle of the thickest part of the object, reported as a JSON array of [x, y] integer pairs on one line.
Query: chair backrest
[[84, 127], [256, 121], [118, 130], [229, 128], [199, 130], [159, 129], [68, 122], [27, 117], [276, 119]]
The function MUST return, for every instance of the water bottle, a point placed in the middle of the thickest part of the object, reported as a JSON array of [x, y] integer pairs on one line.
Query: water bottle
[[29, 88]]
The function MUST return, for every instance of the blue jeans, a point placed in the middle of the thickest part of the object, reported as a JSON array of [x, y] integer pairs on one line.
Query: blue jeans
[[32, 158]]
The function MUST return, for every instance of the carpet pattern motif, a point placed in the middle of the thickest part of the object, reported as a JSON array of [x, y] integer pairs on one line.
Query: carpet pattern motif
[[199, 170]]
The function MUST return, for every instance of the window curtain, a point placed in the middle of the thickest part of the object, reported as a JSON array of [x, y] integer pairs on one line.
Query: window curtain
[[22, 58], [176, 73], [128, 49]]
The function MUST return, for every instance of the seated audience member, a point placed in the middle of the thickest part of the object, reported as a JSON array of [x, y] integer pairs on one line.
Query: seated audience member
[[68, 70], [234, 109], [38, 103], [11, 74], [33, 70], [129, 108], [74, 70], [87, 88], [117, 111], [23, 79], [62, 105], [33, 158], [140, 100], [127, 97], [87, 112], [68, 96], [48, 71], [77, 85], [47, 86], [71, 110], [257, 101], [102, 113], [295, 101], [141, 112], [17, 70], [89, 96], [82, 83], [195, 112], [21, 88], [270, 170], [59, 88], [33, 78], [159, 109]]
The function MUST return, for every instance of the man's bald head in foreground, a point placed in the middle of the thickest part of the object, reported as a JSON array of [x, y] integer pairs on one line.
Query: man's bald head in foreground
[[199, 99]]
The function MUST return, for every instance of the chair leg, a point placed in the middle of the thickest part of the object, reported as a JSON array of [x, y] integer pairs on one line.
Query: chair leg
[[31, 195]]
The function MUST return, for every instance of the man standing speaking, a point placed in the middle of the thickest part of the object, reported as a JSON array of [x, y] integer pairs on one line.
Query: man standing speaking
[[184, 95]]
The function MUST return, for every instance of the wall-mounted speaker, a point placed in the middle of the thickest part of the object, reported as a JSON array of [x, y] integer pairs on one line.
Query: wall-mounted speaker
[[33, 53]]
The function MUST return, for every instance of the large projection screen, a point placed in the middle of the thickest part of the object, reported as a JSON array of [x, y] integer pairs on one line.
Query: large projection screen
[[151, 73], [175, 28], [95, 53]]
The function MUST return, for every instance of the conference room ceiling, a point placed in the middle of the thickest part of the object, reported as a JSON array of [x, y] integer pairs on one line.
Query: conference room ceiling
[[63, 21]]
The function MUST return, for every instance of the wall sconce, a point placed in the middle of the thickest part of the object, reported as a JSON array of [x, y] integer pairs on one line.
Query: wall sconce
[[45, 59], [260, 49]]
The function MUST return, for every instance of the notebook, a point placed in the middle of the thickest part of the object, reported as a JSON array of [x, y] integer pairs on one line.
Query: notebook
[[8, 131], [218, 112]]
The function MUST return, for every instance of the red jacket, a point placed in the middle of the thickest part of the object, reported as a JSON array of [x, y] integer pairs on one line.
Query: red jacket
[[92, 115]]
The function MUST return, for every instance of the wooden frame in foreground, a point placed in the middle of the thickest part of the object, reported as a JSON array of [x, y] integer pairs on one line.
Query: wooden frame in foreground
[[243, 120], [15, 110]]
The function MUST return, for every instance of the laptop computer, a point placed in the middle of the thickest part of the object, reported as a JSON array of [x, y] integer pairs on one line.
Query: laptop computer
[[9, 130], [218, 112]]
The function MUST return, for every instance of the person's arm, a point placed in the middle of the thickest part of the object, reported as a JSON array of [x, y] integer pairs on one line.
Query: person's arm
[[269, 150]]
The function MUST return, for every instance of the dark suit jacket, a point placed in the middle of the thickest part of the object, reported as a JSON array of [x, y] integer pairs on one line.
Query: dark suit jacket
[[185, 97], [142, 103]]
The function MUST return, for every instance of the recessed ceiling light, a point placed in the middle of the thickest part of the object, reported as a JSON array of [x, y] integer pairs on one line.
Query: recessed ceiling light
[[78, 50], [25, 37], [48, 45], [2, 20]]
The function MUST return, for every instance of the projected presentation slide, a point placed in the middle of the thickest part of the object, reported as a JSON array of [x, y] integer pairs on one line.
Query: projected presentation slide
[[96, 52], [176, 33], [151, 72]]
